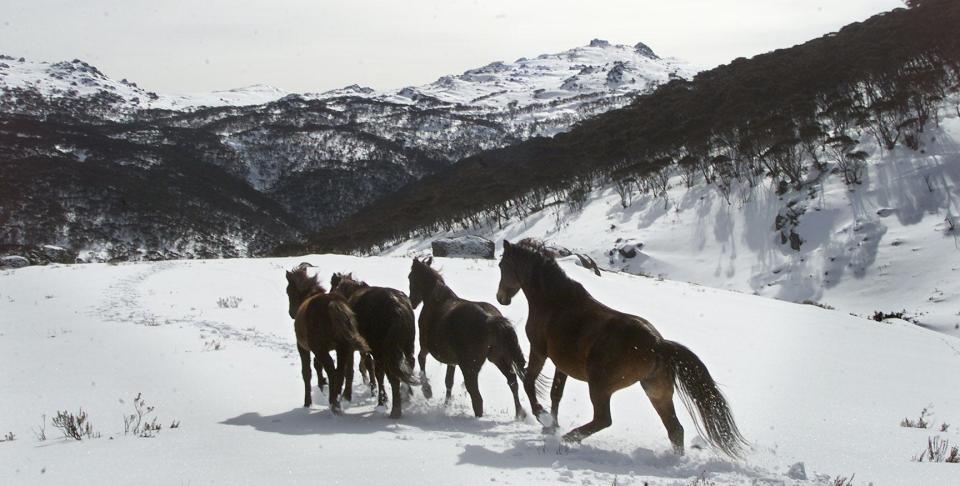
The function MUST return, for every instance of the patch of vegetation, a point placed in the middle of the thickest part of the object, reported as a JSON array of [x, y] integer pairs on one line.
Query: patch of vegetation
[[77, 427], [818, 304], [231, 302], [938, 450], [920, 423]]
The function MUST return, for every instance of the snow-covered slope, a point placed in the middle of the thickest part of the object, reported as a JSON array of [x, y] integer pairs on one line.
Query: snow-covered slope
[[806, 385], [73, 80], [882, 246], [571, 78], [548, 83]]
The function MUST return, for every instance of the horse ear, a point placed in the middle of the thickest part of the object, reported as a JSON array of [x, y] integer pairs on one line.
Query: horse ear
[[506, 245], [289, 275], [428, 261]]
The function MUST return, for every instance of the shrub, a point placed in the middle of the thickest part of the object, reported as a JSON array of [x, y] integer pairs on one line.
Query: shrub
[[137, 423], [72, 426], [920, 423], [818, 304], [8, 437], [938, 450], [231, 302], [843, 480]]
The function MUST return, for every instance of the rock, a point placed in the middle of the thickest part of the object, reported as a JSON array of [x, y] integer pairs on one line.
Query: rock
[[629, 250], [797, 471], [14, 261], [464, 247], [56, 254]]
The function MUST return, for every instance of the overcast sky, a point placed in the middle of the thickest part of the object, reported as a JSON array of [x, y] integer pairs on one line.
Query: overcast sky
[[180, 46]]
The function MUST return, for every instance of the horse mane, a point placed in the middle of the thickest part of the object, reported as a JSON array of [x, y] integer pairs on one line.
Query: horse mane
[[304, 282], [543, 262]]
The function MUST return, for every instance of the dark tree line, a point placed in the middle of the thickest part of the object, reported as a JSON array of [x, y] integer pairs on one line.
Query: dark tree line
[[786, 116]]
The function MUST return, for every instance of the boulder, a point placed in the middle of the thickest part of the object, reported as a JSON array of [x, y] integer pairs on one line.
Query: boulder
[[464, 247], [14, 261]]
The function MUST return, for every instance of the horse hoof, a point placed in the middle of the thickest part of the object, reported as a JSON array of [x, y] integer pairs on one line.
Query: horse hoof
[[427, 392], [551, 430], [571, 439], [395, 414], [307, 404]]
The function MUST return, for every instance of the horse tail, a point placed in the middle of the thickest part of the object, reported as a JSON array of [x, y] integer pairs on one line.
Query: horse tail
[[704, 402], [344, 326], [399, 356], [506, 336]]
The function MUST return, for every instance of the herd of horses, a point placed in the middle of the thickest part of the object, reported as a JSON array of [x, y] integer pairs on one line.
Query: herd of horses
[[584, 339]]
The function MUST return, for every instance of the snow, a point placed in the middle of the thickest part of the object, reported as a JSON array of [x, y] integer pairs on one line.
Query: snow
[[566, 80], [881, 246], [556, 84], [806, 385], [77, 79]]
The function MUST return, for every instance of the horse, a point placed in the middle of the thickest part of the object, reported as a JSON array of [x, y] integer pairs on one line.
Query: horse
[[608, 349], [386, 321], [323, 322], [460, 332]]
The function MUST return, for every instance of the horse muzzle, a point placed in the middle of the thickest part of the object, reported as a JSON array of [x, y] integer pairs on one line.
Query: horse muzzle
[[503, 297]]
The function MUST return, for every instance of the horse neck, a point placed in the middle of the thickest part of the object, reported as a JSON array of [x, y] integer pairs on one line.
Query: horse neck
[[440, 294], [549, 285]]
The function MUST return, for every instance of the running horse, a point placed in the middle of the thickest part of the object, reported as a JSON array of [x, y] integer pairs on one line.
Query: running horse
[[608, 349]]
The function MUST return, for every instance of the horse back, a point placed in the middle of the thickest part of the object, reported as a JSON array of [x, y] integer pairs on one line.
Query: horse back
[[383, 312]]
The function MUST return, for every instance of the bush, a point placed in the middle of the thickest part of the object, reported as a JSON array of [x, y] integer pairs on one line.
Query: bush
[[231, 302], [939, 450], [8, 437], [137, 423], [818, 304], [72, 426], [920, 423]]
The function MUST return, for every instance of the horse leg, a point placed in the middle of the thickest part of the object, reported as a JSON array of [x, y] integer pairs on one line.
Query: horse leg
[[556, 393], [534, 367], [396, 411], [381, 372], [660, 392], [424, 382], [368, 371], [506, 367], [347, 370], [336, 381], [470, 376], [305, 373], [600, 396], [451, 369], [317, 365]]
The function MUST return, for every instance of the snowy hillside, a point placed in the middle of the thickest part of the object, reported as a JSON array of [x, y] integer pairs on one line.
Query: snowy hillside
[[885, 245], [72, 80], [806, 385], [549, 82], [545, 87]]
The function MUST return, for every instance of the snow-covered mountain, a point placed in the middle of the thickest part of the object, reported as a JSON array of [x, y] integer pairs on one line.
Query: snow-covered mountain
[[319, 156], [543, 88]]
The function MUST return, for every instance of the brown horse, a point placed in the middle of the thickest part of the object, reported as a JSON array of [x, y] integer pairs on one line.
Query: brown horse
[[460, 332], [610, 350], [323, 323], [386, 322]]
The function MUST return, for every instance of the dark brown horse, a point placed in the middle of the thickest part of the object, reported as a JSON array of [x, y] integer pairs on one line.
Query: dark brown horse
[[610, 350], [323, 323], [386, 321], [460, 332]]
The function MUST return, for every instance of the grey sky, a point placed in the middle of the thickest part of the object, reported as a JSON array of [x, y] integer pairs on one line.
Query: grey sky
[[179, 46]]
